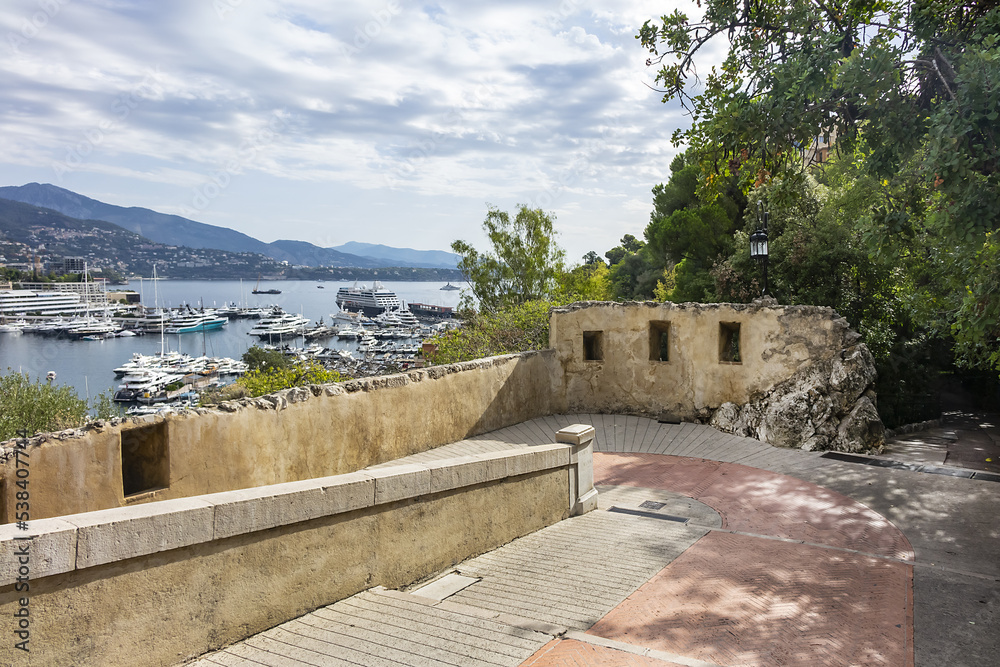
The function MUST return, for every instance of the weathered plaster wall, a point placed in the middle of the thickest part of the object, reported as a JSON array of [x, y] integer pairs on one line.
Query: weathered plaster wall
[[802, 379], [158, 584], [293, 435]]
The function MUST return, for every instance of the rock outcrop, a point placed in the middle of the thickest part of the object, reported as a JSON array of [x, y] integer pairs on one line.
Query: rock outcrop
[[829, 404]]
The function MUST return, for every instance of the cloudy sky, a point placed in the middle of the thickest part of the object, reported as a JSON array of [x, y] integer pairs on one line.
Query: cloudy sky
[[332, 121]]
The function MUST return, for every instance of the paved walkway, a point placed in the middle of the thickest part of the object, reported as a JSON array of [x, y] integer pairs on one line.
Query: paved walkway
[[707, 549]]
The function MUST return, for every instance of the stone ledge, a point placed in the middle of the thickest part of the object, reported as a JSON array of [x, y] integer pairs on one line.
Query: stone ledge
[[79, 541], [106, 536], [51, 549]]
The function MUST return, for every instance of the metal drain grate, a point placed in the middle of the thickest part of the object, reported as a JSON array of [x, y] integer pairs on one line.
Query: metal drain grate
[[915, 467], [652, 505], [648, 515]]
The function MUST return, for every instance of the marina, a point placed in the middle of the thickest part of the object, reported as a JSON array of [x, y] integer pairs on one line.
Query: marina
[[87, 363]]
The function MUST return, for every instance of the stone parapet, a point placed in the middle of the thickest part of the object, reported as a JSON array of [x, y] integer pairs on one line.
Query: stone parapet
[[185, 576]]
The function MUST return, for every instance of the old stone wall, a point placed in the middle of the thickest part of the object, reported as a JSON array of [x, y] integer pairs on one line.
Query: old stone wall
[[792, 376], [157, 584], [295, 434]]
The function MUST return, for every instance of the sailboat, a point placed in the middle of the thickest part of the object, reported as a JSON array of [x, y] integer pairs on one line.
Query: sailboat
[[258, 290]]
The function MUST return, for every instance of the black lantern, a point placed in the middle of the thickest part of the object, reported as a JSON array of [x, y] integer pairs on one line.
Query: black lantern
[[758, 242]]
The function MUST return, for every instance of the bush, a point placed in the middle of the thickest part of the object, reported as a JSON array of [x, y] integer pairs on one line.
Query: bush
[[269, 380], [38, 407], [508, 330]]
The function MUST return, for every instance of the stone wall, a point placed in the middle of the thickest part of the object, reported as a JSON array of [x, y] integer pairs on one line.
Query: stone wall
[[157, 584], [293, 435], [792, 376]]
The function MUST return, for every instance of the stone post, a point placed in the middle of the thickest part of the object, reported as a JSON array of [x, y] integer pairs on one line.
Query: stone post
[[582, 494]]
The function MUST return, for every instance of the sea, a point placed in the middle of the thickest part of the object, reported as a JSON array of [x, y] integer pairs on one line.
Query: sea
[[88, 366]]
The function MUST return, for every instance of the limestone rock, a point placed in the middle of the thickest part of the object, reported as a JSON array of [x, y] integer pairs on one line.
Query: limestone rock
[[727, 418], [852, 373], [786, 421], [861, 429]]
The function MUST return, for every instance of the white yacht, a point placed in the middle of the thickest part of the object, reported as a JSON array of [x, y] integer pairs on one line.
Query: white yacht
[[195, 321], [279, 324]]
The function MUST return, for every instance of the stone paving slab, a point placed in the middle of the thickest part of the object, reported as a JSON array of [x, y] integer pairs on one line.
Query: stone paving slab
[[576, 571]]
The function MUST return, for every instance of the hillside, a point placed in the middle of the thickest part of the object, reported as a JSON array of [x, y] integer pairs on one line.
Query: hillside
[[384, 253], [178, 231]]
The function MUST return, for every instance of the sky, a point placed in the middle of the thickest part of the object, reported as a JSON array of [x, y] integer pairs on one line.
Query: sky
[[326, 121]]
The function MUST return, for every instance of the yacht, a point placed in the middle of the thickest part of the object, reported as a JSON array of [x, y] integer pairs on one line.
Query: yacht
[[13, 327], [397, 317], [195, 321], [143, 382], [279, 324], [370, 301]]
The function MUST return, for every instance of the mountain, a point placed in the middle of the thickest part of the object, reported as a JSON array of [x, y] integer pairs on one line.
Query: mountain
[[30, 234], [384, 253], [178, 231], [307, 254], [159, 227]]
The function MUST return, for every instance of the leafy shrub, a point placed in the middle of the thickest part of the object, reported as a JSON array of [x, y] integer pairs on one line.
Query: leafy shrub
[[39, 407]]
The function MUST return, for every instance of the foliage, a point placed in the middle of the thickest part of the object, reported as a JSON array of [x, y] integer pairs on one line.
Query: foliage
[[587, 282], [37, 406], [523, 262], [267, 380], [977, 327], [512, 329], [893, 79], [258, 358]]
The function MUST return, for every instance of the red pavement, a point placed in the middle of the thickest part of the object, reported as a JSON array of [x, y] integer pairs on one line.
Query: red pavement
[[737, 599], [572, 653]]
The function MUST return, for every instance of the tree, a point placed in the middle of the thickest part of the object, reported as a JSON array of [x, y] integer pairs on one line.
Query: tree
[[906, 83], [522, 265], [592, 258], [908, 92]]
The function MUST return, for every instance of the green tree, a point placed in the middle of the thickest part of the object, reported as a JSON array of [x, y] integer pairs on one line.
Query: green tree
[[587, 282], [522, 264], [38, 407], [909, 95], [896, 79], [260, 359], [508, 330], [687, 234]]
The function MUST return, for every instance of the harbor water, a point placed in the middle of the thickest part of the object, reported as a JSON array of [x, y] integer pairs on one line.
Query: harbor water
[[87, 365]]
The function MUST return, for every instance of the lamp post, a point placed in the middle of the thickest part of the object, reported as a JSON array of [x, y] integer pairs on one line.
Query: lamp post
[[758, 242]]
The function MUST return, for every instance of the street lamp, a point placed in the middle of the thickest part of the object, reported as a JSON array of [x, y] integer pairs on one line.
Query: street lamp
[[758, 242]]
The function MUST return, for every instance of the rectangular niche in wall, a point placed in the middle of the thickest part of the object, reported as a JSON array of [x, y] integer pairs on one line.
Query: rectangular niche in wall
[[729, 343], [593, 345], [145, 459], [659, 341]]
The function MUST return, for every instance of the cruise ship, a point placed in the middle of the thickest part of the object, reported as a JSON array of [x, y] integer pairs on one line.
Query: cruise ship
[[371, 302]]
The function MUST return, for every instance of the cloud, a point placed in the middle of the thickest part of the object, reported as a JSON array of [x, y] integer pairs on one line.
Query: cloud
[[388, 100]]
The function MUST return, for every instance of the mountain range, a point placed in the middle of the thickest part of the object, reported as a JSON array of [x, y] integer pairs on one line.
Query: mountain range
[[179, 231]]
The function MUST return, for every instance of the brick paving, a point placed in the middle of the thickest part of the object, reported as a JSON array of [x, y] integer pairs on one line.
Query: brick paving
[[759, 501], [574, 653], [740, 600]]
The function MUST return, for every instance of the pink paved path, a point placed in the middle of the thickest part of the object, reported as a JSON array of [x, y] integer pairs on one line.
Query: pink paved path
[[839, 594]]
